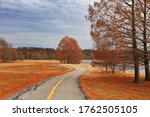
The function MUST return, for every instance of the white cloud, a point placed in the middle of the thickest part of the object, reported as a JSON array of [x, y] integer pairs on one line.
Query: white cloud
[[43, 4], [46, 19]]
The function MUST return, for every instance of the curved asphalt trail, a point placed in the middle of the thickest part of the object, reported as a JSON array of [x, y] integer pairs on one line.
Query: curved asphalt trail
[[62, 87]]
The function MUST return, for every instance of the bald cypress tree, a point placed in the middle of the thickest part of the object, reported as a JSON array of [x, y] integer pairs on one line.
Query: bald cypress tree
[[68, 51]]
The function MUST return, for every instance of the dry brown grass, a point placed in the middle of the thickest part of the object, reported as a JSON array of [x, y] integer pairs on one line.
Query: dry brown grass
[[98, 85], [18, 75]]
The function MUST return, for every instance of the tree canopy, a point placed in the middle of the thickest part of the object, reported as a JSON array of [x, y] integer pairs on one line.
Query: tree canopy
[[68, 51]]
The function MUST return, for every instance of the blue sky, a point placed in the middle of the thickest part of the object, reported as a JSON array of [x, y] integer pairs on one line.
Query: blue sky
[[43, 23]]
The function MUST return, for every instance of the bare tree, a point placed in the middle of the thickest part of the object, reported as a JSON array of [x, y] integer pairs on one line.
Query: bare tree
[[5, 50]]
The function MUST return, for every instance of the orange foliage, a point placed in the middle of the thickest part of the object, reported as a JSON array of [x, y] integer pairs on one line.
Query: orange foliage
[[101, 23], [68, 51], [101, 86]]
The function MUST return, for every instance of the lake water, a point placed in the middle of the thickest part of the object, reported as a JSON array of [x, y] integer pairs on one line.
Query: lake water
[[142, 71], [86, 62], [127, 71]]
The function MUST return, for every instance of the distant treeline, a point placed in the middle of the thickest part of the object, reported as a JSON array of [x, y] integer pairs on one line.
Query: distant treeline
[[8, 53], [35, 53], [45, 53], [26, 53]]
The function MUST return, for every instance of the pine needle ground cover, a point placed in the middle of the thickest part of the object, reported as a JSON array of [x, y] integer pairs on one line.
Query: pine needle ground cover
[[99, 85]]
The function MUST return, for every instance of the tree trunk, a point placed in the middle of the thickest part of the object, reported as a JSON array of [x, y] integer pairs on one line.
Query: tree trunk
[[106, 68], [146, 61], [124, 68], [113, 69], [135, 54], [147, 75]]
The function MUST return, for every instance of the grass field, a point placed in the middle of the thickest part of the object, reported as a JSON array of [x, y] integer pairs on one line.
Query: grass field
[[98, 85], [18, 75]]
